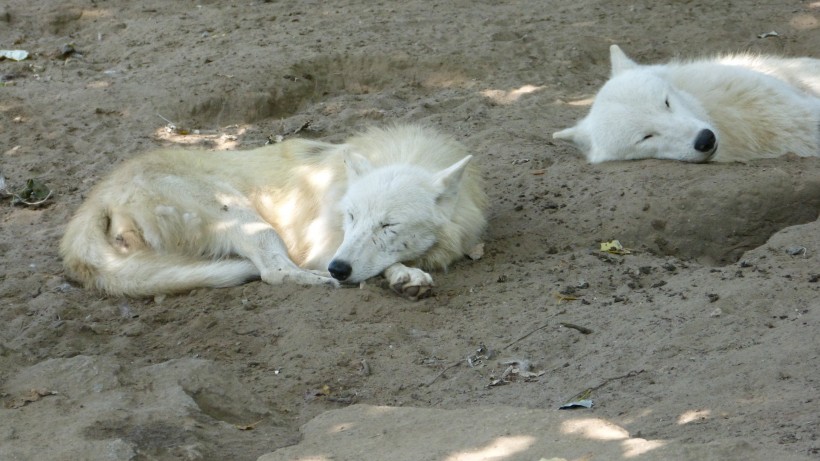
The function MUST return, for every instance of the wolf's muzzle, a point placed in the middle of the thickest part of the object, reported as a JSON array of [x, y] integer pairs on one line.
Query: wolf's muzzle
[[705, 141], [339, 270]]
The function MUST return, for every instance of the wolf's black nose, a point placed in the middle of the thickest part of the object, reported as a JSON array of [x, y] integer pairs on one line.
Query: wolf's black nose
[[340, 270], [705, 141]]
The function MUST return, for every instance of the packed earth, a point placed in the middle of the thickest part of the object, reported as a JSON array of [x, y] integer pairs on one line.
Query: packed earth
[[695, 339]]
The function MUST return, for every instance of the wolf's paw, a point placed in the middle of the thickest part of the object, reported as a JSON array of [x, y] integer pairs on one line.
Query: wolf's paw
[[277, 277], [409, 282]]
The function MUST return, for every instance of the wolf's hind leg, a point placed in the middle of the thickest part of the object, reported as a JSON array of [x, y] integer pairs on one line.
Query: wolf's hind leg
[[123, 233], [410, 282]]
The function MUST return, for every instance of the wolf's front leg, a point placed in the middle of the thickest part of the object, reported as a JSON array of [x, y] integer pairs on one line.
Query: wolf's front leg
[[263, 246], [410, 282], [283, 272], [275, 266]]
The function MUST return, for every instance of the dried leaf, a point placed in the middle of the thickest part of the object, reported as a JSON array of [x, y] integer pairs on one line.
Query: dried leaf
[[247, 427], [314, 394], [563, 297], [34, 193], [614, 247], [528, 375], [33, 396]]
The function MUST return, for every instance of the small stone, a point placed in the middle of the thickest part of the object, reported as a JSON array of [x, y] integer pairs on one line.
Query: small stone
[[796, 250]]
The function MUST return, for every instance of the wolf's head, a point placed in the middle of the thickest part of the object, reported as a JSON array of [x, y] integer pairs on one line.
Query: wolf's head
[[640, 114], [392, 214]]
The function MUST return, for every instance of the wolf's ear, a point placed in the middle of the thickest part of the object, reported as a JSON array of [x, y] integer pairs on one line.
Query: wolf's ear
[[448, 180], [576, 135], [620, 61], [357, 165], [567, 134]]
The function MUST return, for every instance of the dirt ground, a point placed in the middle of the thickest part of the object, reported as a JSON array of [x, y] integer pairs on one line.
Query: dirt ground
[[706, 335]]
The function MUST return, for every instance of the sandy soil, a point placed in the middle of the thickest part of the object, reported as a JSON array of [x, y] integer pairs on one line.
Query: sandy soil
[[706, 335]]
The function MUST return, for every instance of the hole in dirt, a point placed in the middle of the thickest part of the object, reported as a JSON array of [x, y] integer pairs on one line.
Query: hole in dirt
[[280, 94], [150, 438], [223, 408], [716, 213], [711, 213]]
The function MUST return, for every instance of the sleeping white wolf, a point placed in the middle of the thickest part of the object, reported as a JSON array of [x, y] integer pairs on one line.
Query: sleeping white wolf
[[298, 211], [733, 108]]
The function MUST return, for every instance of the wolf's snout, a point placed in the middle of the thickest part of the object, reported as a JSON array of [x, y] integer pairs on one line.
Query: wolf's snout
[[340, 270], [705, 141]]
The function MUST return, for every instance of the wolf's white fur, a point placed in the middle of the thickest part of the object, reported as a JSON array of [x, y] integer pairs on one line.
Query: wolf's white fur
[[174, 220], [756, 107]]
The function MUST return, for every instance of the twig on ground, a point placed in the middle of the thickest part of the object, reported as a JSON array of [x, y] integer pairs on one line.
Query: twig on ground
[[533, 331], [586, 392], [445, 370]]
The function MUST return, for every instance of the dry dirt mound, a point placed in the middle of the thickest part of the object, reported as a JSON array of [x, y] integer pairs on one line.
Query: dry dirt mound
[[490, 433]]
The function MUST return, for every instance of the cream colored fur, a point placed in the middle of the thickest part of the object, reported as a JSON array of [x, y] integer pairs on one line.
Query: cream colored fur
[[174, 220]]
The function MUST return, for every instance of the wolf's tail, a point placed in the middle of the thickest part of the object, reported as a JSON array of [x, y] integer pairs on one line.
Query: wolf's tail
[[90, 257]]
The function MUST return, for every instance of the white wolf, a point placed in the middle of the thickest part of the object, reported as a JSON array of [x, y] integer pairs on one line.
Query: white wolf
[[175, 220], [734, 108]]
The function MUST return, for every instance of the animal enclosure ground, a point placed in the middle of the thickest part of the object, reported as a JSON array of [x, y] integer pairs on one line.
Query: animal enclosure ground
[[705, 335]]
